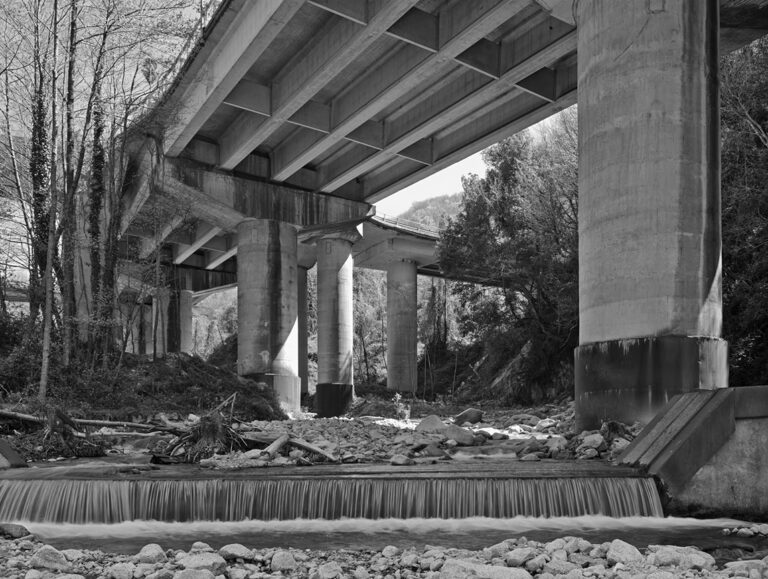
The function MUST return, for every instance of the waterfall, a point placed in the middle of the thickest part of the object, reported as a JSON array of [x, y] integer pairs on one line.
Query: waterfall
[[114, 501]]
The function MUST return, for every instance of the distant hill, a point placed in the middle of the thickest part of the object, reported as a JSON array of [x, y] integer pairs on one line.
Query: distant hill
[[434, 212]]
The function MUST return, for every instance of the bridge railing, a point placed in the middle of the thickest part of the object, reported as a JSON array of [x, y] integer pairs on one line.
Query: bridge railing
[[408, 225]]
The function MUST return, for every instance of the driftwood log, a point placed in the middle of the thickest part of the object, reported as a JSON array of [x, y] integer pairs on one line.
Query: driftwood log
[[270, 437]]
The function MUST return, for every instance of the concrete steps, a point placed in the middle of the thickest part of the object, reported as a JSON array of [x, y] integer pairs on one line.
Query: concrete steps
[[683, 436]]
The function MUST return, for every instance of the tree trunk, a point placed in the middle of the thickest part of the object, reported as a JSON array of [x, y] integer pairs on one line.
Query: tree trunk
[[48, 278]]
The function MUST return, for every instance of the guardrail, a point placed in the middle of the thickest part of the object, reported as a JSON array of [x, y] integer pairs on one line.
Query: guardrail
[[408, 225]]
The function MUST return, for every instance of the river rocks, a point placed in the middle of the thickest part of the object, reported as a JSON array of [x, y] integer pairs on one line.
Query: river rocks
[[236, 551], [151, 553], [470, 415], [622, 552], [462, 568], [682, 557], [47, 557], [121, 571], [283, 561], [330, 570], [561, 558], [201, 560]]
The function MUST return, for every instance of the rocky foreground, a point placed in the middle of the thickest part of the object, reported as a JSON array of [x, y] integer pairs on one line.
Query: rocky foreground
[[542, 433], [568, 557]]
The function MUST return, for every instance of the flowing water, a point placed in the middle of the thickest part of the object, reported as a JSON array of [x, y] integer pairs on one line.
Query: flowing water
[[471, 533], [116, 501]]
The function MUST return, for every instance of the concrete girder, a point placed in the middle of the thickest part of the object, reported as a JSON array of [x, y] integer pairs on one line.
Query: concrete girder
[[461, 26], [473, 139], [306, 75], [255, 98], [528, 72], [151, 244], [203, 234], [381, 255], [247, 37], [224, 200]]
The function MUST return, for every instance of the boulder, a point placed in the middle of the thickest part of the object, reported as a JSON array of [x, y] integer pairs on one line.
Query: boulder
[[520, 556], [330, 570], [594, 440], [471, 415], [283, 561], [151, 553], [13, 531], [121, 571], [236, 551], [461, 435], [9, 458], [194, 574], [622, 552], [431, 423], [212, 562], [462, 568], [48, 557]]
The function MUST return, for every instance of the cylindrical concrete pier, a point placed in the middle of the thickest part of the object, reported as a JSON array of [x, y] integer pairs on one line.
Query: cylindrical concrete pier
[[303, 336], [267, 306], [186, 339], [401, 326], [649, 206], [335, 330]]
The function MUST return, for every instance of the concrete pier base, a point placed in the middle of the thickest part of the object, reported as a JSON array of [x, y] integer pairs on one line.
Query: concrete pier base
[[401, 326], [267, 307], [632, 379]]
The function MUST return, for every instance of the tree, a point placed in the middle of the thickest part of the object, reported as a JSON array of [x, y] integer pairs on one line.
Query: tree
[[518, 229], [745, 212], [77, 76]]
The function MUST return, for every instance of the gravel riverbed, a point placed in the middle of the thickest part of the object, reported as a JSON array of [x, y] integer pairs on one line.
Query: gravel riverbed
[[568, 557]]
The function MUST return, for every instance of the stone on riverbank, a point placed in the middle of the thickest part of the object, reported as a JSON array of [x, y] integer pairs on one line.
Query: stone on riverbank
[[47, 557]]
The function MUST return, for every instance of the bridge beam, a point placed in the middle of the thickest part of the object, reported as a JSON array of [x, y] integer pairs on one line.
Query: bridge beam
[[650, 306]]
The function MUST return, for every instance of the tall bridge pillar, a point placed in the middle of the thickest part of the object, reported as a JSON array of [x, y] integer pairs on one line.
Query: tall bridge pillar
[[401, 326], [335, 324], [649, 206], [267, 306]]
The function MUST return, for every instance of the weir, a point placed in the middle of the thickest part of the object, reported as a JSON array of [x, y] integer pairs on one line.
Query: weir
[[61, 495]]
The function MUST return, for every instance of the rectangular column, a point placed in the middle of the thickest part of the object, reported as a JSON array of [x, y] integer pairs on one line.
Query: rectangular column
[[649, 206]]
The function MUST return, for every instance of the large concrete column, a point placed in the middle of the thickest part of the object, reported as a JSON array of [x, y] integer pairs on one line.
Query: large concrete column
[[335, 326], [303, 331], [649, 206], [157, 341], [306, 260], [401, 326], [186, 344], [267, 307]]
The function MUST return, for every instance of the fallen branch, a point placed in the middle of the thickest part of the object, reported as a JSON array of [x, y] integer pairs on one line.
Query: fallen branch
[[83, 422], [269, 438], [272, 450]]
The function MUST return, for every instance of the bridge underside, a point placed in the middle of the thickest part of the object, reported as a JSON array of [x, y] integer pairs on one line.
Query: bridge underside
[[292, 116]]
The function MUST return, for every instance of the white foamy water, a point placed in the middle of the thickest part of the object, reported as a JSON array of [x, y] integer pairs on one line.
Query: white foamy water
[[470, 533]]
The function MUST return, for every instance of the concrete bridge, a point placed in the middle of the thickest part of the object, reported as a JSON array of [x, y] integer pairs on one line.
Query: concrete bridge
[[292, 116]]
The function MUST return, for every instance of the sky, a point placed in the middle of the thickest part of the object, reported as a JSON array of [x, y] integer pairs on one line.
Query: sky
[[445, 182]]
